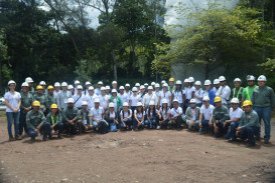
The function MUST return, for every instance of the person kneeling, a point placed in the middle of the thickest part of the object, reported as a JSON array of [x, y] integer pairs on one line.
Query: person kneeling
[[98, 122], [84, 118], [176, 112], [36, 122], [139, 114], [192, 115], [151, 121], [54, 118], [111, 117], [126, 117], [70, 115]]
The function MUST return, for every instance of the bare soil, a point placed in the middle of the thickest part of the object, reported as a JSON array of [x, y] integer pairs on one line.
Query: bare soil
[[135, 157]]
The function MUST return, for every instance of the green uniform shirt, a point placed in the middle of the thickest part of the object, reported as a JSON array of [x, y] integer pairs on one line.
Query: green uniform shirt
[[26, 100], [35, 118], [247, 92], [263, 97], [237, 93], [42, 99], [54, 119], [249, 119], [84, 116], [50, 99], [70, 113], [221, 114]]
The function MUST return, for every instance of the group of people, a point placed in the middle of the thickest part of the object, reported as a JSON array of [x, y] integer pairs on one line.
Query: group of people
[[209, 108]]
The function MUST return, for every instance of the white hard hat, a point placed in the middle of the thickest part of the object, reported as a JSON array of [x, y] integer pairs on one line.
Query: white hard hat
[[91, 88], [134, 89], [164, 101], [114, 91], [96, 100], [87, 83], [56, 84], [102, 88], [42, 83], [237, 80], [150, 88], [100, 83], [84, 103], [64, 84], [29, 80], [191, 79], [186, 80], [198, 83], [222, 78], [107, 87], [216, 81], [114, 82], [137, 85], [121, 88], [11, 82], [111, 105], [192, 101], [125, 104], [76, 82], [70, 87], [234, 101], [176, 100], [165, 85], [207, 82], [163, 81], [139, 104], [145, 84], [127, 85], [157, 85], [79, 87], [205, 98], [151, 102], [261, 78], [178, 82], [250, 78], [24, 84], [70, 100], [153, 84], [142, 87]]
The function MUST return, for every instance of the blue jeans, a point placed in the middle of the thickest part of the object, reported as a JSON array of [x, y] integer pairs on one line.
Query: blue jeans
[[264, 114], [13, 118], [45, 130], [231, 133], [205, 125]]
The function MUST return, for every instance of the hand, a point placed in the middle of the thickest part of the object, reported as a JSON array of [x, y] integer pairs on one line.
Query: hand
[[238, 129], [36, 130]]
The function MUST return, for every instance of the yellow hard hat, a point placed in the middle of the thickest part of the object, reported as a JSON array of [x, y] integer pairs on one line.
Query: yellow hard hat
[[50, 87], [39, 87], [217, 99], [36, 103], [54, 106], [247, 103], [172, 79]]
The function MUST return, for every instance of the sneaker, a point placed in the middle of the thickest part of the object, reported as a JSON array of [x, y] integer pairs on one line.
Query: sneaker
[[158, 127], [266, 141]]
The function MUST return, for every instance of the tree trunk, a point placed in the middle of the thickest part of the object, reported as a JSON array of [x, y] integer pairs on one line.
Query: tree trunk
[[115, 65]]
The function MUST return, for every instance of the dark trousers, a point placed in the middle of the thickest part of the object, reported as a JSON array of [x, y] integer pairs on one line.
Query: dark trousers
[[231, 132], [249, 132], [22, 123], [70, 129], [205, 126], [45, 130]]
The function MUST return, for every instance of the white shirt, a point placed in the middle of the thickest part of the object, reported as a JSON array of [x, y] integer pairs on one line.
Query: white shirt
[[134, 100], [97, 91], [178, 95], [78, 100], [224, 92], [165, 95], [13, 99], [199, 95], [164, 114], [176, 112], [97, 113], [235, 113], [188, 92], [149, 97], [127, 114], [123, 97], [207, 112], [90, 100]]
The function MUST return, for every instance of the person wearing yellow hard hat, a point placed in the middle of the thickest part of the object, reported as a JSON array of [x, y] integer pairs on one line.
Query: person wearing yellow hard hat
[[50, 99], [54, 118], [36, 122], [41, 97], [263, 99], [171, 84], [249, 124], [220, 115]]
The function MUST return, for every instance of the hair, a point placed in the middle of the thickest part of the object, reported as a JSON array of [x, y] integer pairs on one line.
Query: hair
[[140, 108], [154, 111]]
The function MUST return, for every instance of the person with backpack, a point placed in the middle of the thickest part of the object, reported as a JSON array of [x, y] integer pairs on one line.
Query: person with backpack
[[175, 117], [192, 115], [126, 122], [164, 114], [84, 121], [112, 118], [152, 117], [139, 116]]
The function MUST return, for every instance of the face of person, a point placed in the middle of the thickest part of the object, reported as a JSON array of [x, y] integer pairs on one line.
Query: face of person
[[151, 106], [237, 84], [25, 89], [103, 92], [261, 83], [142, 90], [57, 88], [218, 104], [84, 107], [175, 104], [114, 94], [54, 111], [178, 87], [111, 109], [79, 92], [50, 91], [157, 88], [12, 87], [121, 91], [150, 91], [197, 87], [70, 105], [40, 91], [114, 85], [193, 105], [139, 108], [250, 83], [247, 108], [64, 88], [222, 83], [164, 105], [207, 87], [125, 108], [206, 102], [91, 92], [36, 108], [97, 104], [234, 105], [171, 83]]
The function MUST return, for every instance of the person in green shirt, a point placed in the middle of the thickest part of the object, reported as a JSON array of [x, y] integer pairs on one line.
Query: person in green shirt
[[263, 100], [248, 91], [41, 97], [220, 115], [84, 120], [70, 117], [54, 118], [237, 91], [26, 106], [36, 122], [249, 124]]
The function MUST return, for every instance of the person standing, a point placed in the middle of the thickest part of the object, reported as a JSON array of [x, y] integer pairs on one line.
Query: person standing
[[237, 91], [263, 100], [248, 91], [224, 91], [13, 102]]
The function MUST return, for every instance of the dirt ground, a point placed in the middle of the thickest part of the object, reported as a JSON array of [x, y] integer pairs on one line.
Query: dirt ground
[[135, 157]]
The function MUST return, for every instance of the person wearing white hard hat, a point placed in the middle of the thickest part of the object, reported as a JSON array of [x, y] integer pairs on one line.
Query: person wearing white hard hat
[[192, 115], [139, 116], [189, 92], [152, 119], [206, 112], [87, 85], [165, 94], [164, 114], [114, 85], [134, 98], [99, 124], [216, 85], [138, 86], [79, 97], [112, 118], [263, 99], [157, 91], [30, 81], [237, 91], [178, 93], [128, 90], [126, 122], [191, 80], [176, 116], [91, 96], [199, 93], [224, 91], [235, 114], [248, 91], [97, 90], [108, 90], [56, 89], [150, 96], [26, 105], [142, 91], [116, 100], [84, 119], [209, 91], [153, 84], [123, 96], [12, 102], [70, 117], [63, 96], [104, 99]]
